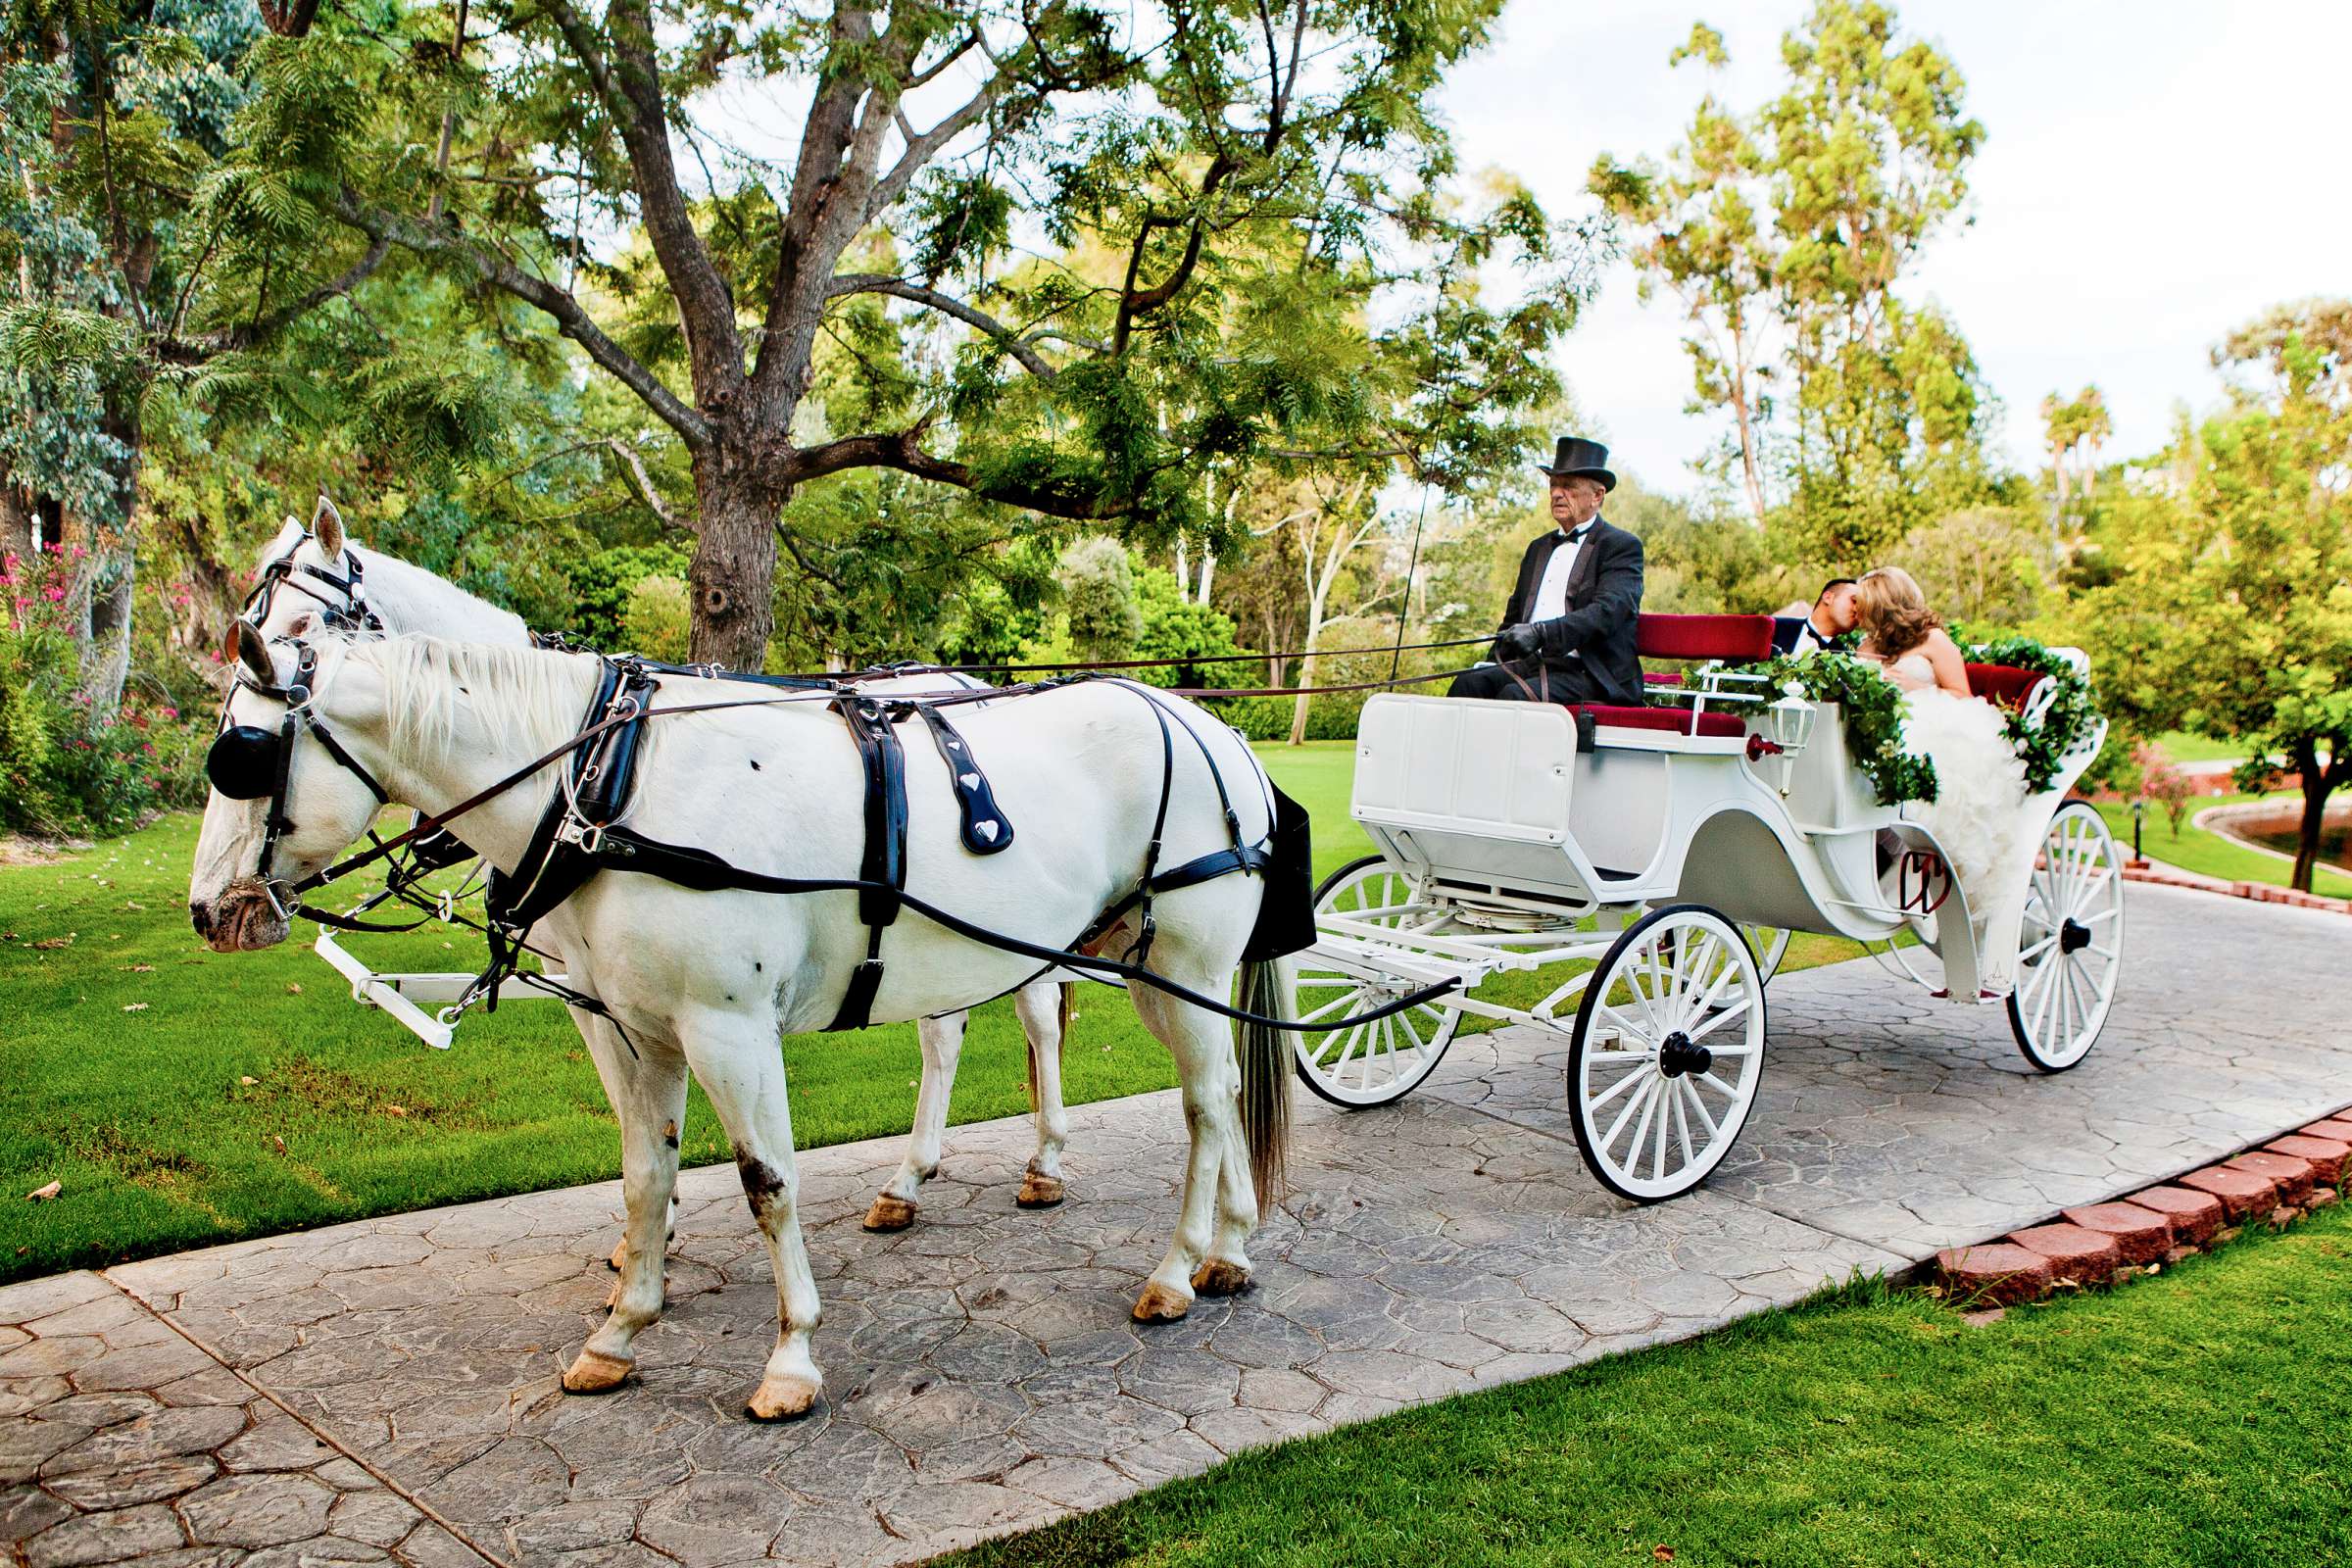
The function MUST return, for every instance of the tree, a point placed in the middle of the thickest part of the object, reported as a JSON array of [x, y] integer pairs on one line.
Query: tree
[[1803, 218], [1098, 587], [2073, 432], [1227, 184], [1978, 567], [2232, 611], [1701, 238]]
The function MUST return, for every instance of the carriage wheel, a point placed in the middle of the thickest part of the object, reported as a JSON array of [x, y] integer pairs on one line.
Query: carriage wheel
[[1770, 945], [1362, 1064], [2069, 951], [1667, 1052]]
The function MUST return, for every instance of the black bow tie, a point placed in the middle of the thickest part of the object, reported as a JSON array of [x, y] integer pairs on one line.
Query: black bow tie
[[1576, 536]]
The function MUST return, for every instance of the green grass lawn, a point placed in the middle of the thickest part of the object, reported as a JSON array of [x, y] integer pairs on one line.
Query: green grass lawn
[[127, 1046], [2194, 849], [2194, 1418]]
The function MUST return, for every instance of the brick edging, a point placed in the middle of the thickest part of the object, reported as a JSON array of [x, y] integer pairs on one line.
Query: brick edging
[[2275, 1182], [2171, 876]]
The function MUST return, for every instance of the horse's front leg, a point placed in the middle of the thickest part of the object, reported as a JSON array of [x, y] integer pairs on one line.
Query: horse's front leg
[[942, 1041], [739, 1069], [1043, 1010], [648, 1091]]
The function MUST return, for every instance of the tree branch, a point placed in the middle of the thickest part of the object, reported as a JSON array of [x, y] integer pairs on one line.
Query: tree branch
[[568, 312], [902, 451], [1006, 338], [644, 485], [630, 85], [920, 150]]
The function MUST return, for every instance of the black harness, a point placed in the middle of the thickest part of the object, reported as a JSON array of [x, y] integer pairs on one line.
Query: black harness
[[582, 832]]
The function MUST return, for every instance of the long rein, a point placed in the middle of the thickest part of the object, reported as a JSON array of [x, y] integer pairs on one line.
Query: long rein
[[1061, 957]]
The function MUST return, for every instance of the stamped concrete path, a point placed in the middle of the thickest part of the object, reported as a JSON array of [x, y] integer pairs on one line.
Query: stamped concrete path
[[388, 1389]]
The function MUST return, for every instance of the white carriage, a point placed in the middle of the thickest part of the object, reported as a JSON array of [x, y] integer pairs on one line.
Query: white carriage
[[1643, 889]]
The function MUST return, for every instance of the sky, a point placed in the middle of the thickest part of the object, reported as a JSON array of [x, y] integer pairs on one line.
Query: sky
[[2153, 175]]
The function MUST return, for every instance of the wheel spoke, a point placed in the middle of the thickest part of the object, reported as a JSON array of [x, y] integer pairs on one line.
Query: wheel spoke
[[1716, 1084], [1735, 1011], [1649, 1084], [1698, 1109], [1657, 1157], [1326, 1010], [1681, 1126], [1612, 1091]]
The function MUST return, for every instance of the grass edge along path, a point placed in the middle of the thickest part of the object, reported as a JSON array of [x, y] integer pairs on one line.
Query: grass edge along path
[[2196, 1417], [2207, 852]]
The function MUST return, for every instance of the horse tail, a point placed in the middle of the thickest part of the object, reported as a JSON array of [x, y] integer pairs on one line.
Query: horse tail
[[1265, 1060], [1063, 1011]]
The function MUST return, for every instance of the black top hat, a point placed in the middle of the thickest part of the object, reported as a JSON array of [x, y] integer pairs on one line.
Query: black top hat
[[1580, 458]]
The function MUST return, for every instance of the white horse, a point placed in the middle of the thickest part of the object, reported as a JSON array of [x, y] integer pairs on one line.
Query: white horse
[[706, 981], [322, 571]]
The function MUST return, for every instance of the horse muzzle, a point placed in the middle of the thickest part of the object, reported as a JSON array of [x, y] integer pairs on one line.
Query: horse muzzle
[[246, 918]]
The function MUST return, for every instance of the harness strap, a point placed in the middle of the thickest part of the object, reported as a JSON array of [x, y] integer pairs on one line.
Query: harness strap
[[984, 826], [883, 866]]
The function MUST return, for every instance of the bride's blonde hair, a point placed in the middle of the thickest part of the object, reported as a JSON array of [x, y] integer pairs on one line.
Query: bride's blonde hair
[[1894, 610]]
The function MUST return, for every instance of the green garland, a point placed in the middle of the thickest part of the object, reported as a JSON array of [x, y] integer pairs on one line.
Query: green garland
[[1872, 709], [2070, 716]]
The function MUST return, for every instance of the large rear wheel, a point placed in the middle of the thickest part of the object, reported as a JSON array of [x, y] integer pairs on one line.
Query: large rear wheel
[[2070, 952], [1363, 1064], [1667, 1052]]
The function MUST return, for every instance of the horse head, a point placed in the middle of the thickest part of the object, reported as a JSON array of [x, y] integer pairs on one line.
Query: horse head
[[282, 806]]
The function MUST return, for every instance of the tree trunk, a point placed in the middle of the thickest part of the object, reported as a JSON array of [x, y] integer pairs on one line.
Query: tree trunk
[[2318, 782], [734, 571], [103, 613]]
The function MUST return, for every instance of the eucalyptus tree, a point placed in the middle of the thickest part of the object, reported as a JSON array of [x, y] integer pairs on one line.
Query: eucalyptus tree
[[1088, 249], [1787, 231]]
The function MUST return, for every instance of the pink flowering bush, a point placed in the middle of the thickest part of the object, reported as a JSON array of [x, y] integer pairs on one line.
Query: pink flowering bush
[[64, 767]]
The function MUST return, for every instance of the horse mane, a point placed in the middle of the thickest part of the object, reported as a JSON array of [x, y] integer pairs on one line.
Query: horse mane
[[537, 696]]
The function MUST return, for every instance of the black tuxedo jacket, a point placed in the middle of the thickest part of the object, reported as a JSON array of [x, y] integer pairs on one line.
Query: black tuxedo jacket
[[1788, 630], [1604, 599]]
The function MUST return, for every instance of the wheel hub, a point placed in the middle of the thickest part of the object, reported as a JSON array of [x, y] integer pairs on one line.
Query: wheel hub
[[2074, 936], [1680, 1056]]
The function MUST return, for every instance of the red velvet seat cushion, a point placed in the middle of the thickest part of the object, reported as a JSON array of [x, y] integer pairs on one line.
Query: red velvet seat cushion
[[1703, 636], [1672, 721], [2002, 685]]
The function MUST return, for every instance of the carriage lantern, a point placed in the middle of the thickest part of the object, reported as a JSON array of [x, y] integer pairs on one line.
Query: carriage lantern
[[1790, 723]]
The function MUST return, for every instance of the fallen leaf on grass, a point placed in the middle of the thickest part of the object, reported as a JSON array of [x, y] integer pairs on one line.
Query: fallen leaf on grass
[[293, 988], [396, 1110], [132, 903], [142, 969], [52, 944], [248, 1079], [279, 1142], [1662, 1553], [134, 1007], [42, 1194]]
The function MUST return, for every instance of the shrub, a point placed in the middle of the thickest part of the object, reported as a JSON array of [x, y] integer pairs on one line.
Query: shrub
[[659, 619], [2163, 782], [601, 586]]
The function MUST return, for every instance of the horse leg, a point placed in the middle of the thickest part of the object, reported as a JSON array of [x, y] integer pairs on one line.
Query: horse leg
[[739, 1069], [648, 1091], [1211, 1089], [1043, 1010], [942, 1042]]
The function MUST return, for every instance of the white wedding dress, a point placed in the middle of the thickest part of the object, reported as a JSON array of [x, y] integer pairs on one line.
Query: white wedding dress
[[1978, 815]]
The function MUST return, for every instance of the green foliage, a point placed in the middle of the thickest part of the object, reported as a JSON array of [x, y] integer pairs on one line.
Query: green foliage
[[1981, 565], [659, 618], [2230, 613], [1855, 415], [1172, 626], [2071, 715], [603, 582], [1098, 591], [1871, 709]]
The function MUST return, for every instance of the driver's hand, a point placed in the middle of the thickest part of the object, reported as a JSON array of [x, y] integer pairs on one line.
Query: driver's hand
[[1516, 642]]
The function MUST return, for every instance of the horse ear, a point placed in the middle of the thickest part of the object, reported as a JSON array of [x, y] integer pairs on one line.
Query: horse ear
[[246, 643], [327, 526]]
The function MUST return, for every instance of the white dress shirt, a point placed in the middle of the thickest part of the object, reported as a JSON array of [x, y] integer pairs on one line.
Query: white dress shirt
[[1551, 592], [1809, 639]]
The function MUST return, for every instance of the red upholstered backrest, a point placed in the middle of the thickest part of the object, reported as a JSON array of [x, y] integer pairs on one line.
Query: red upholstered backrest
[[1704, 636], [2002, 685]]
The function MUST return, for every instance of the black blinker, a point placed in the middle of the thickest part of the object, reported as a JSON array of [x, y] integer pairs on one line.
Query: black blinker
[[243, 762]]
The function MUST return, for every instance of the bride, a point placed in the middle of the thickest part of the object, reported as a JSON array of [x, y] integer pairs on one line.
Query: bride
[[1976, 815]]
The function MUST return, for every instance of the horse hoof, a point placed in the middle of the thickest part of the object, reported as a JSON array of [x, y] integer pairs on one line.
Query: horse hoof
[[890, 1213], [594, 1372], [1217, 1277], [1160, 1303], [1040, 1192], [619, 1258], [781, 1398]]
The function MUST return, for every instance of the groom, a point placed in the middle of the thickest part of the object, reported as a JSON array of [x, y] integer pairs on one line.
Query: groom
[[1568, 632]]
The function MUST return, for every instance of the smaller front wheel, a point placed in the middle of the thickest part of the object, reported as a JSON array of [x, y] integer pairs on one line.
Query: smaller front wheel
[[1667, 1052], [2070, 952]]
